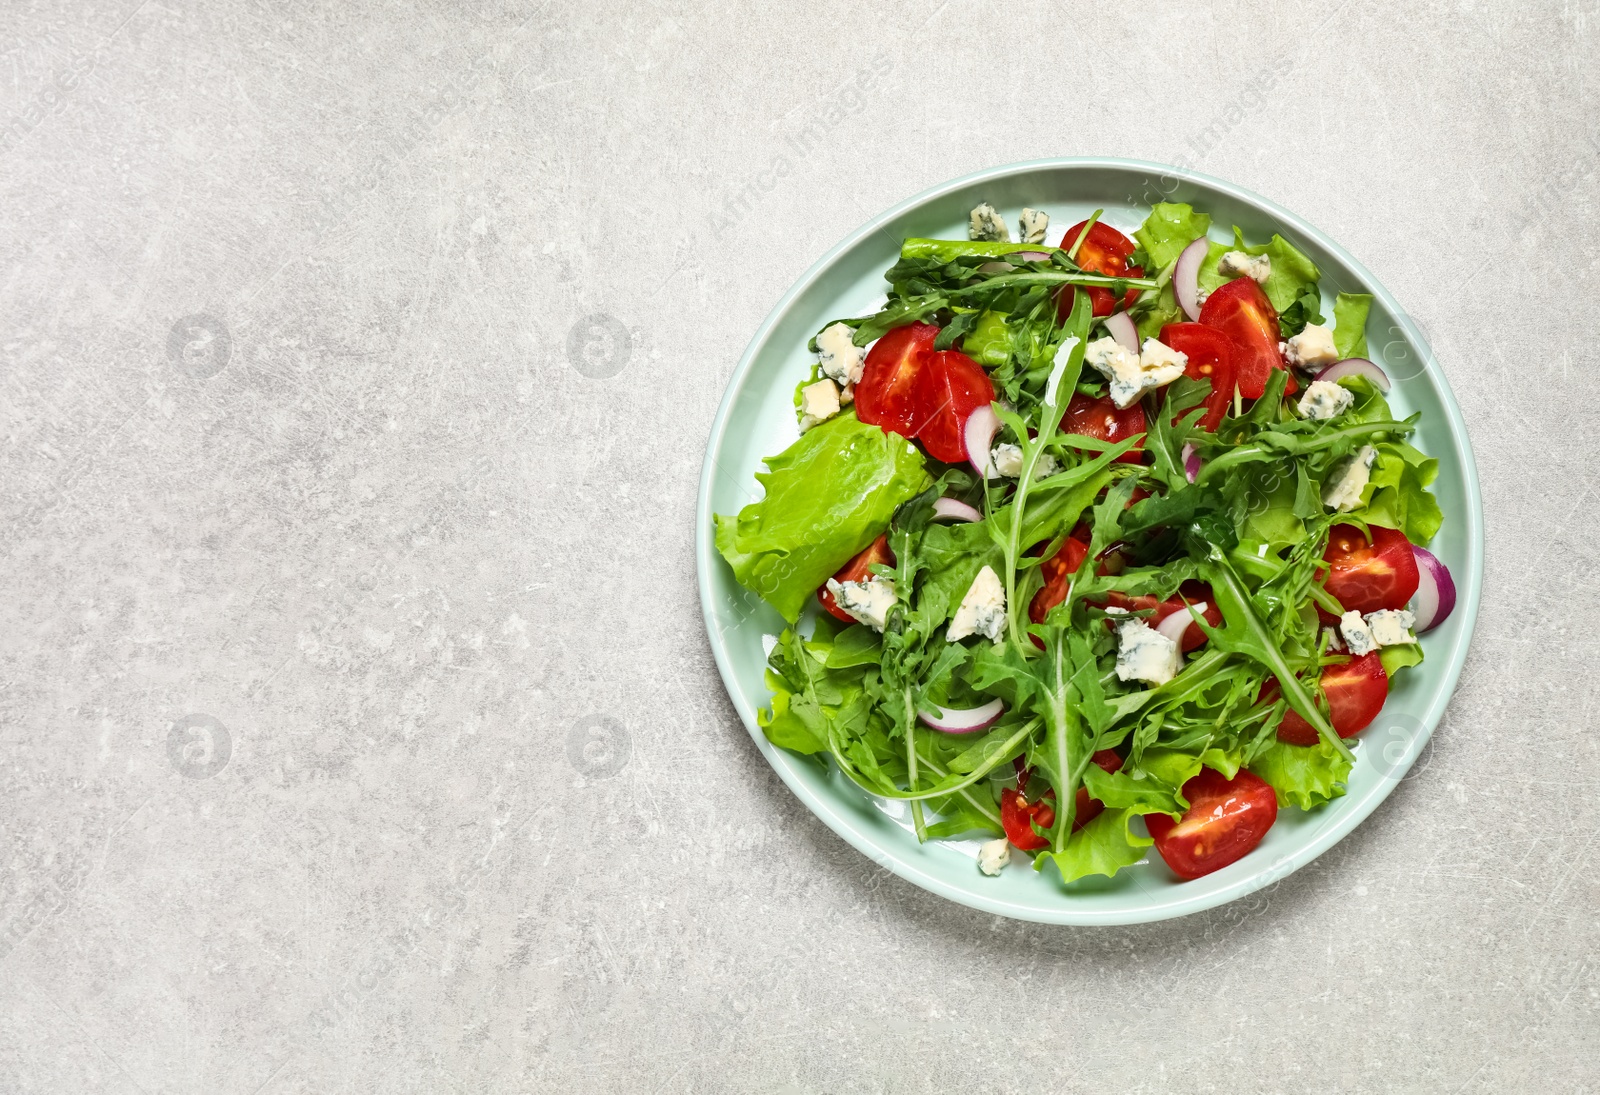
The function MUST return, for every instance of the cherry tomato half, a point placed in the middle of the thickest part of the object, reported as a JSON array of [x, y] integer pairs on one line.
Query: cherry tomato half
[[1355, 691], [1103, 251], [1057, 571], [1017, 814], [888, 393], [948, 388], [858, 569], [1226, 819], [1368, 575], [1242, 311], [1103, 421], [1210, 354]]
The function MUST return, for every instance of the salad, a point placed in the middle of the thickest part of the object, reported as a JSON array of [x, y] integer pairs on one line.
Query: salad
[[1093, 544]]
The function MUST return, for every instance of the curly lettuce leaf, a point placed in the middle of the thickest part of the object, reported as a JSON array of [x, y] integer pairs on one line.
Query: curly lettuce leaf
[[1293, 276], [1104, 847], [827, 497], [1170, 227], [1350, 323], [1397, 494], [1303, 775]]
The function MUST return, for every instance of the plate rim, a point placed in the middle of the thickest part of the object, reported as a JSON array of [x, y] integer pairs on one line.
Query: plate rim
[[1357, 811]]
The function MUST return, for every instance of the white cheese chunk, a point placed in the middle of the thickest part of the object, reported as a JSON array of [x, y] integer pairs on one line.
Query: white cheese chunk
[[986, 223], [838, 356], [1357, 635], [1324, 399], [818, 403], [1310, 348], [1034, 224], [1391, 627], [1006, 460], [982, 611], [1144, 654], [866, 602], [993, 856], [1342, 489], [1238, 264], [1130, 374]]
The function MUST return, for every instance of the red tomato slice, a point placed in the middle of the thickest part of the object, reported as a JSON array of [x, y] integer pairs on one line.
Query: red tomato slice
[[858, 569], [948, 388], [1058, 571], [1103, 251], [888, 392], [1100, 419], [1210, 354], [1226, 819], [1017, 813], [1242, 311], [1368, 575], [1355, 691]]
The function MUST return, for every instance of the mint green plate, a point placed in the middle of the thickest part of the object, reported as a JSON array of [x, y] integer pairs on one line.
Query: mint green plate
[[757, 419]]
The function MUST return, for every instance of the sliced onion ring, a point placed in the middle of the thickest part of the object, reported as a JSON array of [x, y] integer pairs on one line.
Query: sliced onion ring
[[978, 437], [951, 509], [1120, 326], [1191, 462], [1436, 591], [1030, 256], [1357, 366], [1180, 621], [964, 720], [1186, 275]]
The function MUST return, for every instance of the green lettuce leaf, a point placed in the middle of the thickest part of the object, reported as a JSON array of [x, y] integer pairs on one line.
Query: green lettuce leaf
[[828, 496], [1350, 323], [1170, 227], [1402, 656], [1397, 495], [1303, 775], [1104, 846], [1293, 275]]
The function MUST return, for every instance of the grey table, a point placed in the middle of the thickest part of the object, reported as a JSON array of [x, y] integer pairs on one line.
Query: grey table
[[359, 728]]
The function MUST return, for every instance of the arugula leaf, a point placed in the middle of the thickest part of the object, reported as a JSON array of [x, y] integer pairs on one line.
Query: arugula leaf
[[828, 496]]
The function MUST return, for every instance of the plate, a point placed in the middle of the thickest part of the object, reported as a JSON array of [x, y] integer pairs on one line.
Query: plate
[[756, 419]]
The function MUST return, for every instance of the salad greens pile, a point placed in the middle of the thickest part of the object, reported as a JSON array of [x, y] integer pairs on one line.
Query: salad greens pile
[[1250, 524]]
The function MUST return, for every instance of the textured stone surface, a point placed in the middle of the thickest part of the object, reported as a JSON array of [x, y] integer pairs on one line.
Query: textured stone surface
[[316, 775]]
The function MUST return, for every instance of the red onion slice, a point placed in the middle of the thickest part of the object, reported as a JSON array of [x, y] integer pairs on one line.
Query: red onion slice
[[978, 436], [1436, 591], [1120, 326], [1357, 366], [953, 510], [1186, 277], [1191, 462], [1180, 621], [968, 720], [1031, 256]]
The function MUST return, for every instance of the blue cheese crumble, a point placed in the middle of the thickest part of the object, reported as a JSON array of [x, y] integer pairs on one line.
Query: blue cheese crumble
[[818, 403], [1239, 264], [985, 223], [1343, 488], [993, 856], [1357, 635], [1391, 627], [1130, 374], [1034, 223], [1144, 654], [866, 602], [839, 358], [1324, 400], [982, 611], [1006, 460], [1311, 348]]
